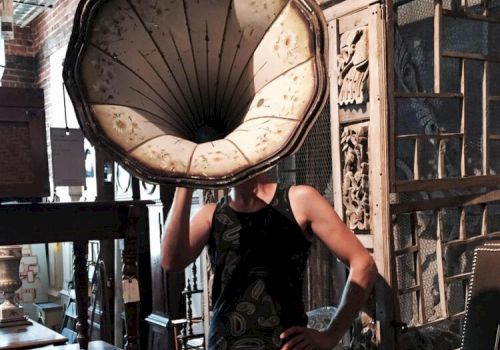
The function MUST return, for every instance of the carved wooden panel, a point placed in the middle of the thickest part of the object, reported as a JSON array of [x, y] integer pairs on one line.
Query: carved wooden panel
[[352, 63], [355, 185]]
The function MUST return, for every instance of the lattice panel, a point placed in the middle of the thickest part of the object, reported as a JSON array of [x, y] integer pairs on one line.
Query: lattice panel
[[433, 258], [446, 150]]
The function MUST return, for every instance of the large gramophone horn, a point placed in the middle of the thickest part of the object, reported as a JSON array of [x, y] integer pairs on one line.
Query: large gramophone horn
[[197, 93]]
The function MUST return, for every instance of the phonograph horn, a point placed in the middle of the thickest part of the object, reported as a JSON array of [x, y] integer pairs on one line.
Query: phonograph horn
[[197, 93]]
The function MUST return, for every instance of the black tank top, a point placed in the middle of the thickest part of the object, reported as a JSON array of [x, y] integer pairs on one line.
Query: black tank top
[[258, 260]]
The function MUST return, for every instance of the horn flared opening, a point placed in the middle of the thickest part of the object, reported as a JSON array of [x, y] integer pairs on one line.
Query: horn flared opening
[[201, 93]]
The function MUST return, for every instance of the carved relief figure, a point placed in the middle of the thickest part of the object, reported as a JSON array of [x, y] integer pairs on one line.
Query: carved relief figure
[[355, 184], [353, 67]]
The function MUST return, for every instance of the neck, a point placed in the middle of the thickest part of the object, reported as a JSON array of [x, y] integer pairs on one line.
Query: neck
[[252, 191]]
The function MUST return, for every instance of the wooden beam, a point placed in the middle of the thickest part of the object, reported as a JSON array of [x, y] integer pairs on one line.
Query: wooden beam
[[391, 88], [462, 231], [335, 118], [411, 289], [416, 160], [347, 7], [418, 272], [485, 221], [471, 56], [65, 221], [463, 119], [438, 322], [459, 277], [451, 183], [441, 166], [438, 36], [486, 118], [443, 136], [451, 95], [378, 149], [472, 16], [471, 240], [448, 202], [407, 250], [440, 263]]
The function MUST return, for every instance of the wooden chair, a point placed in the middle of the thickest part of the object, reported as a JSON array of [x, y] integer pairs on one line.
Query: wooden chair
[[482, 318]]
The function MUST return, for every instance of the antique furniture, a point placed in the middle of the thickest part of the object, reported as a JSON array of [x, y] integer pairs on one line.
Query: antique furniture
[[33, 335], [81, 222], [23, 151], [416, 157], [482, 316], [50, 315]]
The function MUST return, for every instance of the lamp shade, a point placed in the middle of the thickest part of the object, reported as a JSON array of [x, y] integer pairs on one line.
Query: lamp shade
[[200, 93]]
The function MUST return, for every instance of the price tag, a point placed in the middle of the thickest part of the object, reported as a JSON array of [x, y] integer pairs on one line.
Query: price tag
[[130, 290]]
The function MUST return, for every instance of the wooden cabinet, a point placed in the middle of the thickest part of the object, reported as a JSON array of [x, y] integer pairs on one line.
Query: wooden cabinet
[[23, 150]]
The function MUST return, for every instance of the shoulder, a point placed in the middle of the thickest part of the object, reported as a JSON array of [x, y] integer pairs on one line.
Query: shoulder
[[303, 192], [308, 202], [206, 213]]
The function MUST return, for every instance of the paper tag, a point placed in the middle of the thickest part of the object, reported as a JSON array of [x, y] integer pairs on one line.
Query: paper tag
[[130, 290]]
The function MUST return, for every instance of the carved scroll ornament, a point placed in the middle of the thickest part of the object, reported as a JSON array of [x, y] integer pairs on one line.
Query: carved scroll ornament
[[353, 67], [355, 188]]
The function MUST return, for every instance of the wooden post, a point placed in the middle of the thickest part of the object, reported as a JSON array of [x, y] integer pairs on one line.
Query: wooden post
[[438, 31], [80, 251], [130, 280], [381, 223], [486, 118], [440, 263], [463, 122]]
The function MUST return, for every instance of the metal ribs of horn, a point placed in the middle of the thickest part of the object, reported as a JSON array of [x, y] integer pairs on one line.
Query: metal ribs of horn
[[200, 93]]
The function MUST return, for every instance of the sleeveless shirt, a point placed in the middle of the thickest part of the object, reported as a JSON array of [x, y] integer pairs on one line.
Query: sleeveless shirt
[[258, 259]]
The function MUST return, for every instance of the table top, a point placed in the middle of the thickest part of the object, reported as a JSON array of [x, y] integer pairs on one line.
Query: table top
[[23, 337], [30, 223], [93, 345]]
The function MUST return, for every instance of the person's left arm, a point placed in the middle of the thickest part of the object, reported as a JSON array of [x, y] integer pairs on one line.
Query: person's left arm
[[317, 215]]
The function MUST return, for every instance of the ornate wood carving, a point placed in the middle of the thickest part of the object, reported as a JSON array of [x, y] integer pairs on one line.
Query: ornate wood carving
[[353, 67], [355, 191]]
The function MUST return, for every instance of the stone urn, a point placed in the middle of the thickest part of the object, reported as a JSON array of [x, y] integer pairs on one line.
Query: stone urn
[[11, 314]]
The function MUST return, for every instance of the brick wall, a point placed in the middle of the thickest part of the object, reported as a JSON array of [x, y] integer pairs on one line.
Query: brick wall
[[51, 32], [28, 55], [20, 62]]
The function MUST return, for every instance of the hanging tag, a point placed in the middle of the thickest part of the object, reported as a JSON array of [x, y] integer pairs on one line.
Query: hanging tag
[[130, 290]]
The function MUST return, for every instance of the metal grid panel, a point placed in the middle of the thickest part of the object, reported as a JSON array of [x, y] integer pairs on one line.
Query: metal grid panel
[[312, 165]]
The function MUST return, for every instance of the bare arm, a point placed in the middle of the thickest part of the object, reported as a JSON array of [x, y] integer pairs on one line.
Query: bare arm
[[183, 240], [312, 209]]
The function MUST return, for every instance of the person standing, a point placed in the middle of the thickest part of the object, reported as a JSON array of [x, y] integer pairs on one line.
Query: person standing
[[258, 242]]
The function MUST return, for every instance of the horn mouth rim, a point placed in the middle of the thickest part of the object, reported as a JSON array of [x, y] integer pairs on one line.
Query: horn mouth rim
[[73, 79]]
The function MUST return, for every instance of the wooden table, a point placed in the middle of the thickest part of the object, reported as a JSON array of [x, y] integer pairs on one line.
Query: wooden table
[[80, 222], [93, 345], [24, 337]]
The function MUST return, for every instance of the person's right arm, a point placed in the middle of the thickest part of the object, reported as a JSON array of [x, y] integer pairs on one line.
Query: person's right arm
[[183, 240]]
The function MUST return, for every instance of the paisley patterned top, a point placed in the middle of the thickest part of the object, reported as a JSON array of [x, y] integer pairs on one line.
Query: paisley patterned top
[[258, 260]]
